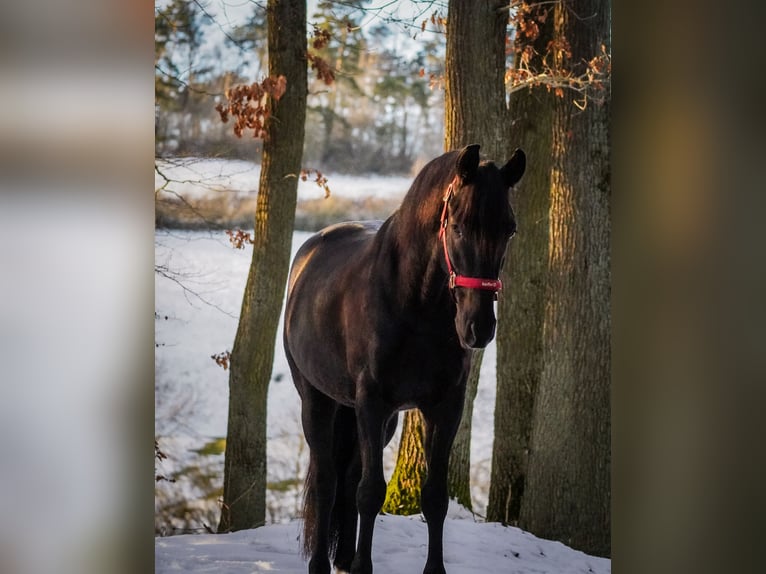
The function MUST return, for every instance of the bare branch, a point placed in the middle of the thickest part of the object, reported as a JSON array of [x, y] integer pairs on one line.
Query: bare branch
[[167, 273], [185, 84]]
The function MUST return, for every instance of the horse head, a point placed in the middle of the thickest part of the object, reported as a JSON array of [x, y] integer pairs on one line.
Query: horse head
[[477, 224]]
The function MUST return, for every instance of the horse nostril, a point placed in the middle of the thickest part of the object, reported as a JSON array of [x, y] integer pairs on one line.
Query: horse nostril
[[470, 339]]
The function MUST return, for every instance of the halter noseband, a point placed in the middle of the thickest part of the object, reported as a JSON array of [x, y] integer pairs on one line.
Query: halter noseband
[[456, 280]]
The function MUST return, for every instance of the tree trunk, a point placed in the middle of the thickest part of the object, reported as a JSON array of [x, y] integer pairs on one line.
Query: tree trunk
[[244, 498], [520, 309], [521, 305], [403, 491], [474, 107], [475, 112], [568, 489]]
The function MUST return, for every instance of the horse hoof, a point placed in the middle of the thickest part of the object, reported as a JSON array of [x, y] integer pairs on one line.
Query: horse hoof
[[319, 566], [361, 567]]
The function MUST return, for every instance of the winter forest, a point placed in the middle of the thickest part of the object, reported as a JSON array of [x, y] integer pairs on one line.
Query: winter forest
[[379, 113], [276, 118]]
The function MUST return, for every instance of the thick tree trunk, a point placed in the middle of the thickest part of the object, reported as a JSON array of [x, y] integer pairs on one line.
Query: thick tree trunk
[[474, 107], [474, 112], [520, 308], [521, 305], [253, 352], [568, 489]]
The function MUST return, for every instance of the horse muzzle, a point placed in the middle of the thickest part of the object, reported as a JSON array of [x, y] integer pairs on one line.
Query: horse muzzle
[[476, 334]]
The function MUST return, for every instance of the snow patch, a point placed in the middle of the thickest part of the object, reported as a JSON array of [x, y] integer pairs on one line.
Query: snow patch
[[400, 545]]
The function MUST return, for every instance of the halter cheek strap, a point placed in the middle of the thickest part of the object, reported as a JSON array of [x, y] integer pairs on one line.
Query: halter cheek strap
[[456, 280]]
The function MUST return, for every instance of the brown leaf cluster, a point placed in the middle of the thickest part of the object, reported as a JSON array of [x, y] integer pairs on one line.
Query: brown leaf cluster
[[319, 37], [554, 68], [527, 20], [275, 86], [247, 104], [437, 20], [320, 179], [435, 81], [600, 65], [324, 71], [222, 359], [238, 238], [560, 49], [160, 456]]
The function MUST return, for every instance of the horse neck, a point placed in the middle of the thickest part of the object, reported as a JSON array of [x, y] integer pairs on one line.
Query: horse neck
[[413, 235]]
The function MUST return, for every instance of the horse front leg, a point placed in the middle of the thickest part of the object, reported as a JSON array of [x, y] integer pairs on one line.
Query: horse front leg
[[441, 425], [372, 416]]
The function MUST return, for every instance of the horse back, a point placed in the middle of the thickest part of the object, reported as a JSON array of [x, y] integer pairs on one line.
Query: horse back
[[325, 252], [328, 270]]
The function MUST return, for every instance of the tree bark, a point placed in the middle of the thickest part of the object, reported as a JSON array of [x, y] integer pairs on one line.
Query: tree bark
[[474, 107], [244, 498], [568, 488], [475, 112], [521, 305], [520, 308]]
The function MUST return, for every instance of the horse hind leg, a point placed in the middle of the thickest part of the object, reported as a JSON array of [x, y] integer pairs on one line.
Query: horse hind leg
[[348, 467], [318, 413]]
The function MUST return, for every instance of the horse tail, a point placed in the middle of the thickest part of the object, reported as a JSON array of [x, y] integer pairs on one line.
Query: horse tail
[[310, 517], [348, 468], [346, 461]]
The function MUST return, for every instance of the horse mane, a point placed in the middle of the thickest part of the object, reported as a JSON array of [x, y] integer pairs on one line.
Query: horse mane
[[421, 207], [422, 204]]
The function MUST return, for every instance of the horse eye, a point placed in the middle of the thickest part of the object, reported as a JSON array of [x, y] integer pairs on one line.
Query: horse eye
[[457, 230]]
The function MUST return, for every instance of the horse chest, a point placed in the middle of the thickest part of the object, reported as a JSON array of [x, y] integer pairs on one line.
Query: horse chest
[[410, 370]]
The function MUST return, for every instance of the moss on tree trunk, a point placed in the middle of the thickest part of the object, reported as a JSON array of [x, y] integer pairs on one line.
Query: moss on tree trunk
[[403, 491]]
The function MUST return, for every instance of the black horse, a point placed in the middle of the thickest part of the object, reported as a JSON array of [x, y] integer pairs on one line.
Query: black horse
[[383, 317]]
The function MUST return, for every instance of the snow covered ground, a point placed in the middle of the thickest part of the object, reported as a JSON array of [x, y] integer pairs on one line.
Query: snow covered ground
[[399, 547]]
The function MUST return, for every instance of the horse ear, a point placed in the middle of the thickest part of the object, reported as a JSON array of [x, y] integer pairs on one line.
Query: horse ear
[[468, 161], [514, 169]]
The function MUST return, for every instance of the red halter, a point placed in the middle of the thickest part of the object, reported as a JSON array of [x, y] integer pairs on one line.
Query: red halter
[[456, 280]]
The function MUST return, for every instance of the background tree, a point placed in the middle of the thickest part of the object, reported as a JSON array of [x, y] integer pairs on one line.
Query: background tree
[[379, 116], [520, 309], [568, 495], [475, 112], [475, 57], [179, 35], [253, 351]]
